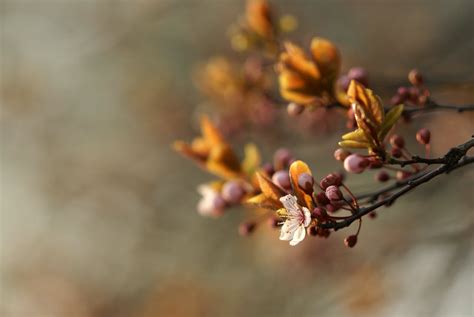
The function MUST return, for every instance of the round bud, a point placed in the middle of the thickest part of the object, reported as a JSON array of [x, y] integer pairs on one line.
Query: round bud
[[246, 228], [403, 92], [268, 169], [333, 206], [273, 222], [382, 176], [321, 199], [313, 231], [324, 233], [306, 183], [375, 163], [333, 193], [343, 82], [359, 74], [318, 213], [396, 152], [402, 175], [282, 179], [397, 141], [423, 136], [415, 77], [232, 192], [331, 179], [350, 241], [282, 158], [341, 154], [294, 109], [355, 163], [396, 100], [373, 215]]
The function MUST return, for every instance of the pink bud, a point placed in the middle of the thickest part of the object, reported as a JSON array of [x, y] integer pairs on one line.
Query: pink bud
[[331, 179], [333, 193], [232, 192], [397, 141], [341, 154], [306, 183], [282, 179], [355, 163], [423, 136], [294, 109], [350, 241]]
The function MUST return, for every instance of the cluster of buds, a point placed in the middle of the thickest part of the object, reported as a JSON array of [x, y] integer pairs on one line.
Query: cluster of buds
[[416, 94]]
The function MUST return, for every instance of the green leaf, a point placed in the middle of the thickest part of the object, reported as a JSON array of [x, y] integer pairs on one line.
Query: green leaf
[[354, 144], [390, 119]]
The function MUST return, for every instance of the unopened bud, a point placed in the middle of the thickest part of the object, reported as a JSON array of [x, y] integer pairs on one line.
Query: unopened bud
[[318, 213], [397, 141], [331, 179], [382, 176], [396, 152], [273, 222], [360, 75], [423, 136], [415, 77], [268, 169], [321, 198], [246, 228], [403, 92], [355, 163], [306, 183], [402, 175], [350, 241], [313, 231], [294, 109], [232, 192], [375, 163], [341, 154], [333, 193], [282, 179], [282, 158]]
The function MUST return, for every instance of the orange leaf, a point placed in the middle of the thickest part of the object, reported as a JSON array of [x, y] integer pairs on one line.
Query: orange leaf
[[296, 169]]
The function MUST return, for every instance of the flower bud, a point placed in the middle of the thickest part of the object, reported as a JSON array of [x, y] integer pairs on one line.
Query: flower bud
[[333, 206], [343, 82], [360, 75], [355, 163], [282, 179], [232, 192], [375, 163], [423, 136], [321, 199], [350, 241], [397, 141], [403, 92], [331, 179], [273, 222], [294, 109], [396, 100], [318, 213], [415, 77], [313, 231], [382, 176], [373, 215], [333, 193], [282, 158], [246, 228], [306, 183], [402, 175], [396, 152], [324, 233], [341, 154], [268, 169]]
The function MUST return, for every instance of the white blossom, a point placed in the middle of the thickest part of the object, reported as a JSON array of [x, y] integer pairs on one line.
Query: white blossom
[[297, 220]]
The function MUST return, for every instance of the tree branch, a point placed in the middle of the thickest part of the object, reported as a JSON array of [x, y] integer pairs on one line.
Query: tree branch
[[454, 159]]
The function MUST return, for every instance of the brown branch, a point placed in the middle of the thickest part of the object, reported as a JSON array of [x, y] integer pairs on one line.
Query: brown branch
[[452, 156], [454, 159]]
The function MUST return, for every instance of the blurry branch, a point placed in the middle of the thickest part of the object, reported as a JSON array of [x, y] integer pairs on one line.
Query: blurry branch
[[454, 159], [434, 106]]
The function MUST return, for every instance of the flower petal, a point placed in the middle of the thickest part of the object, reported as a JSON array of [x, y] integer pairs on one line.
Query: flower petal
[[291, 205], [307, 216], [298, 236]]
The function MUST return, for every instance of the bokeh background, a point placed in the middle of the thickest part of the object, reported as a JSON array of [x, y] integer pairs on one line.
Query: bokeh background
[[98, 213]]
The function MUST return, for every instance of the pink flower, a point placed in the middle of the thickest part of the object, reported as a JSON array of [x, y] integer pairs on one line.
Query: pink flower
[[297, 220]]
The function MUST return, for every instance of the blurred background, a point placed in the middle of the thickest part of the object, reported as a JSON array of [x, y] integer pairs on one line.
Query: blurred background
[[98, 214]]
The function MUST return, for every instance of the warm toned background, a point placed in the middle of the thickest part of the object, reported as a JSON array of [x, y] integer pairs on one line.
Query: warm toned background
[[98, 214]]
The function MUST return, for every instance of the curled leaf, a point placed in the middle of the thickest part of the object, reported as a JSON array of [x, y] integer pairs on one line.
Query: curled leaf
[[296, 169], [391, 118]]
